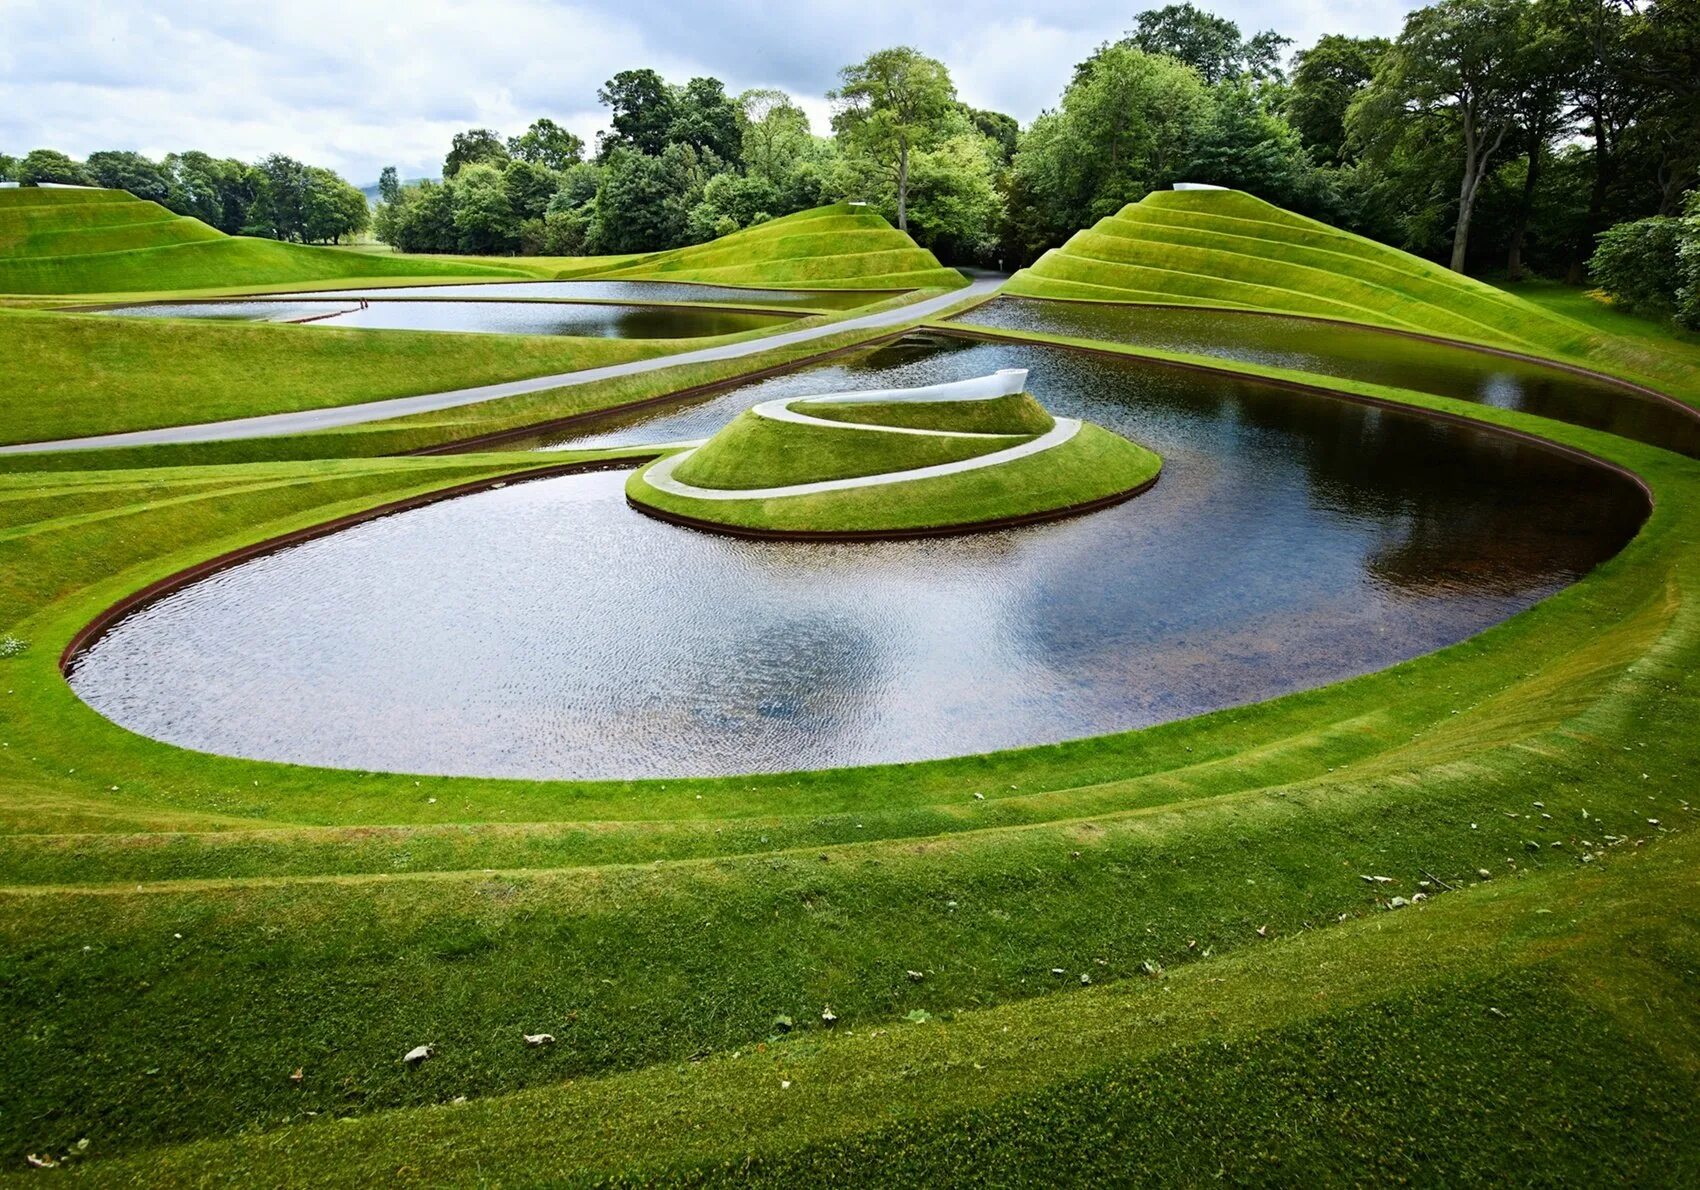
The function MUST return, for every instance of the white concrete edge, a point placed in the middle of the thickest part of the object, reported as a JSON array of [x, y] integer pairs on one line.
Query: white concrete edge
[[659, 475]]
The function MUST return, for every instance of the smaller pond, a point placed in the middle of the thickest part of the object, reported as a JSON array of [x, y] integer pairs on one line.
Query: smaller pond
[[1376, 357], [631, 291], [498, 318]]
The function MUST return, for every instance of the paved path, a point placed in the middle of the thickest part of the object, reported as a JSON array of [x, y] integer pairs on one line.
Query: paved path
[[306, 420], [659, 475]]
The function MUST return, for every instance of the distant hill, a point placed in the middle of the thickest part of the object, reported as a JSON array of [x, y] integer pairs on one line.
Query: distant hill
[[108, 241], [371, 192]]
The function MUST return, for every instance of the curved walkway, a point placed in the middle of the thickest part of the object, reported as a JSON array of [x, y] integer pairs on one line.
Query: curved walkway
[[307, 420], [659, 475]]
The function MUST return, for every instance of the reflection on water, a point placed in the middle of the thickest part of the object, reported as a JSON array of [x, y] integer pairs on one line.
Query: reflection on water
[[546, 630], [501, 318], [632, 291], [1376, 357]]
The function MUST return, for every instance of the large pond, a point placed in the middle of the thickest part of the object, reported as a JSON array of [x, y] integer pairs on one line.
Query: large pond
[[500, 318], [546, 630], [1330, 349], [632, 291]]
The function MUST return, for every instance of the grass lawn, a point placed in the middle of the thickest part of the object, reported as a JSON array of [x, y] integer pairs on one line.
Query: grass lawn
[[1163, 955]]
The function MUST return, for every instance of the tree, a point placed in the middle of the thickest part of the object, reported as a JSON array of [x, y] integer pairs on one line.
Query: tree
[[389, 185], [1542, 68], [645, 200], [1125, 127], [529, 188], [484, 219], [124, 170], [1249, 148], [1326, 78], [424, 219], [641, 112], [475, 146], [50, 165], [776, 133], [331, 208], [1450, 75], [8, 168], [547, 144], [955, 204], [1001, 130], [1210, 44], [1638, 264], [706, 119], [280, 211], [888, 105]]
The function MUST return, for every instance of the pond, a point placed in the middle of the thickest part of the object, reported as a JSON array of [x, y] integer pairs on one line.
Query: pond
[[547, 630], [499, 318], [1331, 349], [632, 291]]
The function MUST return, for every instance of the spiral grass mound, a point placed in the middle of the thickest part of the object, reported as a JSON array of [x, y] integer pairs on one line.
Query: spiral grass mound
[[947, 458]]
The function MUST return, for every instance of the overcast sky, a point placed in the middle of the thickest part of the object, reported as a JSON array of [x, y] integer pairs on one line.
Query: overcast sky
[[360, 84]]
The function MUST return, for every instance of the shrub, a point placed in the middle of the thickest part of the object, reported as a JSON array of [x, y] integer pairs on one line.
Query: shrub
[[1636, 263]]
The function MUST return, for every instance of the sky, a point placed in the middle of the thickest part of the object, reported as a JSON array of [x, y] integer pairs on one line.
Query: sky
[[359, 84]]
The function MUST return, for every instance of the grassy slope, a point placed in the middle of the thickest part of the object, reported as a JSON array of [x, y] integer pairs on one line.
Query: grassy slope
[[1093, 465], [73, 241], [1231, 249], [105, 375], [826, 248], [1017, 413], [1543, 1025], [755, 452]]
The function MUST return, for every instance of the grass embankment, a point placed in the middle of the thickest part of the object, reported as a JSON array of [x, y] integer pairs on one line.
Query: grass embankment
[[1188, 844], [1227, 248], [68, 375], [754, 452], [833, 247], [107, 242]]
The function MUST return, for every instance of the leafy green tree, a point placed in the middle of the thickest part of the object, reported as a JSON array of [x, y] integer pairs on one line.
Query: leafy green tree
[[1637, 264], [389, 185], [220, 192], [887, 106], [50, 165], [1245, 146], [645, 199], [1544, 64], [424, 219], [529, 188], [475, 146], [124, 170], [8, 168], [331, 208], [1124, 128], [547, 144], [280, 209], [484, 219], [1001, 130], [775, 134], [1210, 44], [1326, 78], [707, 120], [1450, 77], [955, 206], [641, 111], [577, 187]]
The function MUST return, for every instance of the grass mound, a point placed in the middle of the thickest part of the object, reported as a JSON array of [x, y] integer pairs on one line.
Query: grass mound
[[106, 241], [937, 461], [835, 247], [1227, 248]]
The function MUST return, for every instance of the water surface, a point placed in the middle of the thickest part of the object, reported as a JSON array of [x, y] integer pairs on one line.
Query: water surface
[[547, 630], [1376, 357], [632, 291], [500, 318]]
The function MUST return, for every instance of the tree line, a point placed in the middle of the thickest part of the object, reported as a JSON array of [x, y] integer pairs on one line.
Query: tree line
[[1510, 135], [278, 198]]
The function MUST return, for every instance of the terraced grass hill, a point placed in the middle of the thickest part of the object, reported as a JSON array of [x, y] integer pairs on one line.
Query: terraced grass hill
[[107, 241], [1227, 248], [834, 247]]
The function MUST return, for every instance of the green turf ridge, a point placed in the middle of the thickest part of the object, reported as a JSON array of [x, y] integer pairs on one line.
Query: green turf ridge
[[120, 372], [1227, 248], [1469, 1038], [647, 923]]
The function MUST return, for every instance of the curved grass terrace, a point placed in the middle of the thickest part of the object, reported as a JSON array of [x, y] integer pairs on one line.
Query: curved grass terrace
[[1148, 953]]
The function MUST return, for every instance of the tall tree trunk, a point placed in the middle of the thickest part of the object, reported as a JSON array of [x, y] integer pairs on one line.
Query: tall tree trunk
[[1514, 263], [903, 186], [1476, 159], [1596, 202]]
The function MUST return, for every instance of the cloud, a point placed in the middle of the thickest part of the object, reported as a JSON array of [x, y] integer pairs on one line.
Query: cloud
[[359, 84]]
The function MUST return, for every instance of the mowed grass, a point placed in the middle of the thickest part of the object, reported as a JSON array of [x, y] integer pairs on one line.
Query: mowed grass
[[1227, 248], [69, 375], [180, 934], [107, 242], [834, 247]]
